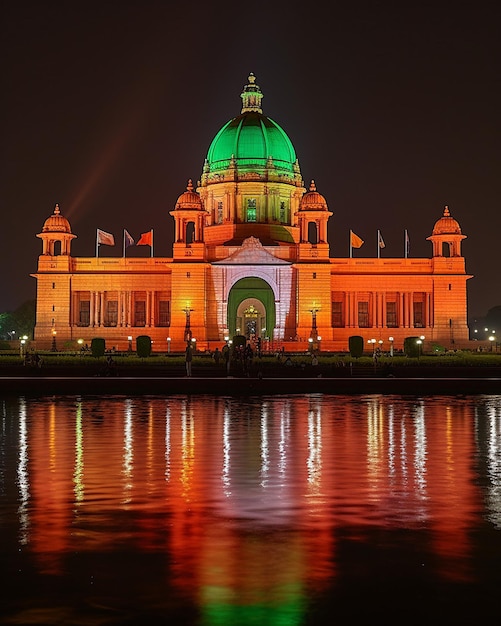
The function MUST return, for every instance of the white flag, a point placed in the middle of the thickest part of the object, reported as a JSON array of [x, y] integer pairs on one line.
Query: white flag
[[104, 238]]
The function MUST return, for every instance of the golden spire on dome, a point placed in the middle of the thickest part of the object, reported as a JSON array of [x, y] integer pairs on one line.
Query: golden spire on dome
[[56, 210], [313, 187]]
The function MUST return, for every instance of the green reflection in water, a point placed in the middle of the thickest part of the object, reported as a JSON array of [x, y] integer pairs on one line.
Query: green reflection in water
[[288, 612]]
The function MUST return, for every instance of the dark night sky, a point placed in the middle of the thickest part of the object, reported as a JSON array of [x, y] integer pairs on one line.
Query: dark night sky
[[108, 108]]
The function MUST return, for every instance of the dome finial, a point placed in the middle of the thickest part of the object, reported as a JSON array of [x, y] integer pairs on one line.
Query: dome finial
[[251, 96], [313, 187], [446, 211], [190, 185], [56, 210]]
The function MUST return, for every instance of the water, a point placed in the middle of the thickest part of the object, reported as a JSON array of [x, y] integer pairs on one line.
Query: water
[[280, 510]]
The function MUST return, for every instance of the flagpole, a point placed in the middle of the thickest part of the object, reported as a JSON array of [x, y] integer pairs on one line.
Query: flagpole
[[378, 246], [124, 242], [351, 247], [406, 238], [97, 244], [152, 242]]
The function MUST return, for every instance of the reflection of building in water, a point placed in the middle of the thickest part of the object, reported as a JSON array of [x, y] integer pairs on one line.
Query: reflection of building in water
[[489, 435], [215, 483]]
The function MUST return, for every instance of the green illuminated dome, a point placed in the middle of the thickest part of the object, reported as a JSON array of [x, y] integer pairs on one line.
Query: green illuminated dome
[[251, 141]]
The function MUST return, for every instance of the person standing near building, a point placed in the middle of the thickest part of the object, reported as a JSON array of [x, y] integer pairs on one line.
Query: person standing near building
[[188, 357], [217, 356]]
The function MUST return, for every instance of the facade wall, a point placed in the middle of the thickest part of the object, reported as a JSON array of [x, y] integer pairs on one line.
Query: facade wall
[[399, 298]]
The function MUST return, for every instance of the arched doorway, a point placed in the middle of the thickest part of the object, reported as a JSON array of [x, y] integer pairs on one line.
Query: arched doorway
[[251, 308]]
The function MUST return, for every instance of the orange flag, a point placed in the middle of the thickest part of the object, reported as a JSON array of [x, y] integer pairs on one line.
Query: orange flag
[[356, 241], [146, 239]]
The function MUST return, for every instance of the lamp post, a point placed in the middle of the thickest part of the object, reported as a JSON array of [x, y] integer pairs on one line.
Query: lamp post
[[187, 327], [54, 345], [22, 345], [168, 345], [419, 343], [129, 339], [390, 339], [314, 330], [492, 339]]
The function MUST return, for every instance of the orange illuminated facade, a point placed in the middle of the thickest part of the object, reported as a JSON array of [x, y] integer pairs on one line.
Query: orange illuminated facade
[[251, 257]]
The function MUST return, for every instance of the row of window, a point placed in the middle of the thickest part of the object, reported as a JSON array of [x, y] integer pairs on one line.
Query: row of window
[[364, 319], [162, 314], [111, 318], [251, 211]]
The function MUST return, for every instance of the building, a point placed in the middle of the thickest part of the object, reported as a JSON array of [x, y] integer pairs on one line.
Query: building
[[251, 257]]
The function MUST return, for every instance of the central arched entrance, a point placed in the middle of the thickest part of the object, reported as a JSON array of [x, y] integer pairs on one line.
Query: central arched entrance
[[251, 308]]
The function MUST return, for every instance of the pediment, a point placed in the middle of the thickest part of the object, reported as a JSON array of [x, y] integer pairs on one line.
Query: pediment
[[251, 252]]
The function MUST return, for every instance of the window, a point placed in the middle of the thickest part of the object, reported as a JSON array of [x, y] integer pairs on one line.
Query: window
[[84, 313], [140, 313], [391, 315], [337, 315], [219, 217], [282, 212], [251, 210], [363, 315], [164, 313], [111, 318], [418, 314]]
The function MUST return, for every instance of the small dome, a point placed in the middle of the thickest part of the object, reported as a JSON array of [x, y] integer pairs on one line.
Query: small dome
[[189, 199], [56, 223], [446, 225], [312, 200]]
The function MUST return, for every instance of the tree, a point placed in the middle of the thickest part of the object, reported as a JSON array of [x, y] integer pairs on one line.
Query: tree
[[493, 320], [19, 322]]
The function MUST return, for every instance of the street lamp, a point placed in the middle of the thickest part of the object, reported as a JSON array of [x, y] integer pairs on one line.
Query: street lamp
[[187, 328], [129, 339], [54, 346], [419, 343], [492, 339], [390, 339], [22, 344], [168, 345]]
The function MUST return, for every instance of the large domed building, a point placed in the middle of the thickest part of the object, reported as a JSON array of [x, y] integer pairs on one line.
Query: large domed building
[[251, 257]]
